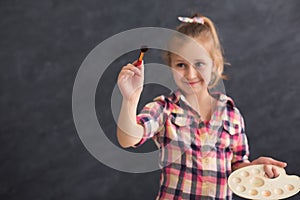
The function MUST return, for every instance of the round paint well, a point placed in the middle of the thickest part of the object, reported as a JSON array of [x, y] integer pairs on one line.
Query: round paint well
[[289, 187], [244, 174], [257, 182], [278, 191], [253, 192], [240, 188], [255, 171], [236, 180], [266, 193]]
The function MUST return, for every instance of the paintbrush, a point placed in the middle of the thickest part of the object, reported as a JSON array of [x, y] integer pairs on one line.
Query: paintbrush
[[140, 60]]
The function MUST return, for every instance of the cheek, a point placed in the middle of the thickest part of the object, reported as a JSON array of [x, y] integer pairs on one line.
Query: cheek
[[177, 75], [207, 74]]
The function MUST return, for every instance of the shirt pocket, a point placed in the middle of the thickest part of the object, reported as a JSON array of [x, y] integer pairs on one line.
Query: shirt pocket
[[229, 132], [231, 127], [181, 120], [181, 129], [176, 138], [232, 122]]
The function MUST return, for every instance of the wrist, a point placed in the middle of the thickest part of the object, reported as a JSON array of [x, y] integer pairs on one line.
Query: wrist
[[132, 102]]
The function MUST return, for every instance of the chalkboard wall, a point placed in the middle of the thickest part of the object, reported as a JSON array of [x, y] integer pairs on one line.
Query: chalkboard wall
[[43, 44]]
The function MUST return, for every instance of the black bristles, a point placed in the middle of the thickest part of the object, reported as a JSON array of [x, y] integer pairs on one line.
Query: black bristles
[[144, 48]]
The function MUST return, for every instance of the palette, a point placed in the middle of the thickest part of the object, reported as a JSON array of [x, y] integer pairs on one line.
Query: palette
[[251, 183]]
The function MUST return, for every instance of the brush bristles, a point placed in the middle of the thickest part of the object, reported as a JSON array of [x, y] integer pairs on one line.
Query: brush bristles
[[144, 49]]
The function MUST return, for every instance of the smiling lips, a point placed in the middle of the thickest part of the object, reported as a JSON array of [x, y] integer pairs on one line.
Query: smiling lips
[[193, 82]]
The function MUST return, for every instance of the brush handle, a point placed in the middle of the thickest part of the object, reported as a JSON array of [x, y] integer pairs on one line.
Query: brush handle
[[139, 63]]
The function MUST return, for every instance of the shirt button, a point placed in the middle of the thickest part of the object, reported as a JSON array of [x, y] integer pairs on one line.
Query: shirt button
[[206, 160]]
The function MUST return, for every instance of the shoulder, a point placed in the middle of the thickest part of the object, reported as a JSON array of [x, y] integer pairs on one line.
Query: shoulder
[[159, 103], [167, 100], [172, 97], [229, 103], [163, 103], [233, 119]]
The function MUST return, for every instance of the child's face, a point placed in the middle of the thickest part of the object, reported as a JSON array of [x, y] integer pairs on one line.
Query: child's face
[[192, 73]]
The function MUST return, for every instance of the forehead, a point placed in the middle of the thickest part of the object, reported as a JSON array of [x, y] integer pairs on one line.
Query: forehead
[[188, 48], [190, 51]]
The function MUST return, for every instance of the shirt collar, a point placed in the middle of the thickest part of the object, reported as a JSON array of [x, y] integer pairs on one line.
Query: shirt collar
[[224, 105], [176, 96]]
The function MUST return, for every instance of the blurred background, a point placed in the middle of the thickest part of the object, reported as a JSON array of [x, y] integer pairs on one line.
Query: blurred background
[[43, 44]]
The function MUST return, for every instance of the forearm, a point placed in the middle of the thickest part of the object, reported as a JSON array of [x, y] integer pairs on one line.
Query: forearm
[[129, 132], [240, 165]]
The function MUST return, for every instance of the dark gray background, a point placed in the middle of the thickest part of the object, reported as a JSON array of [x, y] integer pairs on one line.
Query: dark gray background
[[43, 44]]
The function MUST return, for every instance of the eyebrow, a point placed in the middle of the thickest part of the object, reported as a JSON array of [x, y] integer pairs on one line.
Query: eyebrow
[[200, 60], [182, 60]]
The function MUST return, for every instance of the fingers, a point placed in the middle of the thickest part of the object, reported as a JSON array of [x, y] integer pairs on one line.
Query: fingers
[[271, 172], [270, 161], [138, 63], [270, 166], [130, 70], [279, 163], [275, 172]]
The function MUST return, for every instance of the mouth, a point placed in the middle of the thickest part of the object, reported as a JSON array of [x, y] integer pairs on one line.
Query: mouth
[[193, 82]]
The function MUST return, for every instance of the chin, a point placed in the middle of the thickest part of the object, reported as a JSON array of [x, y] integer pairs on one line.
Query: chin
[[192, 90]]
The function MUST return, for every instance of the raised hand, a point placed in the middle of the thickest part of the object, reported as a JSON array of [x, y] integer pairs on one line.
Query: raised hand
[[130, 81]]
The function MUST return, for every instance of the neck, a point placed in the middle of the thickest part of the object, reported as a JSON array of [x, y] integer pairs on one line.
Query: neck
[[198, 97], [202, 102]]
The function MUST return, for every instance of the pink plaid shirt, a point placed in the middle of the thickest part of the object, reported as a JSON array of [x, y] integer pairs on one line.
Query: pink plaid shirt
[[196, 157]]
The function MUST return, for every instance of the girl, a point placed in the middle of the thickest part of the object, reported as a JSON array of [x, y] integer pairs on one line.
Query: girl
[[200, 134]]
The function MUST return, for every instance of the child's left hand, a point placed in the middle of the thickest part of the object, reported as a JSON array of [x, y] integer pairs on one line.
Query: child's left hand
[[270, 171]]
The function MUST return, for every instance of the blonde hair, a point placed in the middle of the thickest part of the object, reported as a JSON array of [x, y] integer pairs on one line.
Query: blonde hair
[[208, 36]]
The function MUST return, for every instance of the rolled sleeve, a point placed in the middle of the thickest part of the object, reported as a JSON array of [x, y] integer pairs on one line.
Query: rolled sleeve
[[241, 149], [151, 118]]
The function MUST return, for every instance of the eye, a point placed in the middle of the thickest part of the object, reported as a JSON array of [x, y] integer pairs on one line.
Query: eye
[[180, 65], [199, 65]]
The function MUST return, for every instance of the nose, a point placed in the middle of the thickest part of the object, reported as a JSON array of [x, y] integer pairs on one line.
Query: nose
[[191, 73]]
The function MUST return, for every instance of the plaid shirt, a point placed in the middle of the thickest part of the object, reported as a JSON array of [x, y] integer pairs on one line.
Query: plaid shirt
[[196, 157]]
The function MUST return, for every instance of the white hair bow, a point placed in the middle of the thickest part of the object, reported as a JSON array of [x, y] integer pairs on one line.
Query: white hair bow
[[198, 20]]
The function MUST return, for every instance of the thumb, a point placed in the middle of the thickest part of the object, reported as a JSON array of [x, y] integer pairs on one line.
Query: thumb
[[138, 63], [279, 163]]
